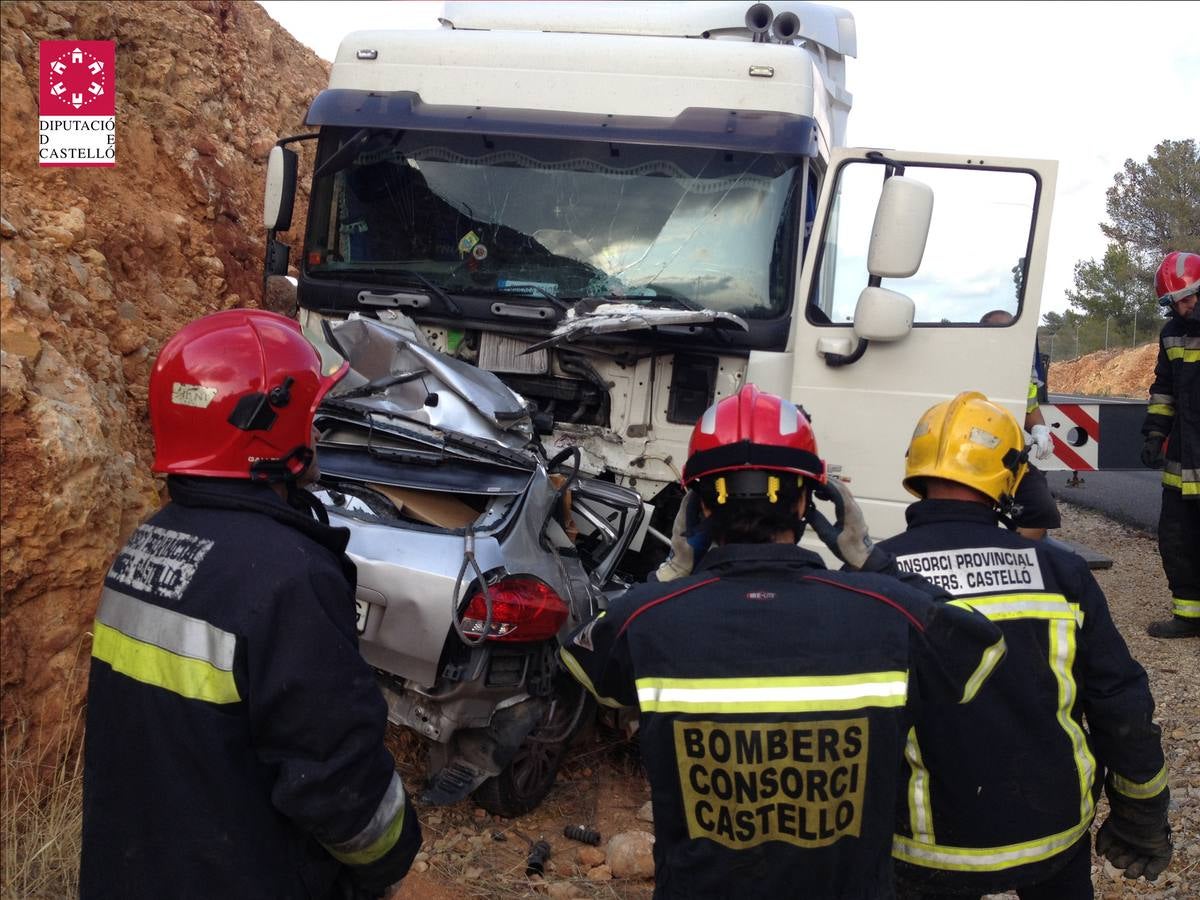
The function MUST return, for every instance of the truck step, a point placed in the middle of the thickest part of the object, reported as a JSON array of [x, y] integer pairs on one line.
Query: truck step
[[1095, 559]]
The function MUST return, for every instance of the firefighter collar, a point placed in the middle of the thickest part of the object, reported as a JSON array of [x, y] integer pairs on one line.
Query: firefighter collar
[[750, 555], [930, 512]]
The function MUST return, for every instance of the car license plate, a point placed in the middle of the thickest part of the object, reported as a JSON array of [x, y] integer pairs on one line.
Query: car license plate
[[361, 607]]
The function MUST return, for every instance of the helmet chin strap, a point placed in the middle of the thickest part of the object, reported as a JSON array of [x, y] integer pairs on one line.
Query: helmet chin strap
[[285, 469], [299, 498], [1009, 509]]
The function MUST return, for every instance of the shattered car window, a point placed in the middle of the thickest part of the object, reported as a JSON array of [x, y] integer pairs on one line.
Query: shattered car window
[[568, 219]]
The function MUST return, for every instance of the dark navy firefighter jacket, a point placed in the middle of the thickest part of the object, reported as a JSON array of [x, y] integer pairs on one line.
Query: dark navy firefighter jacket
[[234, 743], [994, 793], [775, 697]]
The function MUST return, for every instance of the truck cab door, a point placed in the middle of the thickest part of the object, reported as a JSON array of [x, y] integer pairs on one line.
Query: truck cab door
[[985, 252]]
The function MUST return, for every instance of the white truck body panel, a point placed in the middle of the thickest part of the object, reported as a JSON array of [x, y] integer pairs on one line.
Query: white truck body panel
[[614, 73], [871, 406]]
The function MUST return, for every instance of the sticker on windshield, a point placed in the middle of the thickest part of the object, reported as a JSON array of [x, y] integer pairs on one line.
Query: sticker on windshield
[[467, 242], [479, 252], [527, 287]]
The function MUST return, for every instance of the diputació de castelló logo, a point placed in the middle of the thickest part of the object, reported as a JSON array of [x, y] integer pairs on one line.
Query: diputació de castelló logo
[[78, 103]]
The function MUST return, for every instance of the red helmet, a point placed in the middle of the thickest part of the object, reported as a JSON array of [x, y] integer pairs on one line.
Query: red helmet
[[752, 432], [232, 395], [1177, 278]]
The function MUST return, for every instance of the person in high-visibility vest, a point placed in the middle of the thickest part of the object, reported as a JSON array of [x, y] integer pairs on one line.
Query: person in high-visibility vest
[[1000, 794], [774, 694], [1172, 440], [234, 743]]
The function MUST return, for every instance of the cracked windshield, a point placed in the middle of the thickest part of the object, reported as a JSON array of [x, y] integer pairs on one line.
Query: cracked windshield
[[565, 220]]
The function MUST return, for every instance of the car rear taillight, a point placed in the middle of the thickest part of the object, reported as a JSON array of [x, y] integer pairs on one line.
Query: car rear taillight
[[524, 608]]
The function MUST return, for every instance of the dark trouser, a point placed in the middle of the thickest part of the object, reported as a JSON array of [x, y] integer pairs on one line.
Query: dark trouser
[[1071, 882], [1179, 544]]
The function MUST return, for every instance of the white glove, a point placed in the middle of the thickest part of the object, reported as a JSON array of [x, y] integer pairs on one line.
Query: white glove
[[684, 545], [1042, 445]]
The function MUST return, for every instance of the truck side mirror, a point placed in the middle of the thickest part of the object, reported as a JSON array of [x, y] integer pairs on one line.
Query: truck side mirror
[[280, 194], [901, 228], [883, 315]]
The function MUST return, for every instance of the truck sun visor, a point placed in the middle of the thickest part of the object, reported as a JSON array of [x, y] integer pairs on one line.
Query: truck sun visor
[[721, 129]]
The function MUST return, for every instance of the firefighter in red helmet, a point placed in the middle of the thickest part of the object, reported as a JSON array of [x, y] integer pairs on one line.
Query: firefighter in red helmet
[[1172, 440], [773, 693], [234, 743]]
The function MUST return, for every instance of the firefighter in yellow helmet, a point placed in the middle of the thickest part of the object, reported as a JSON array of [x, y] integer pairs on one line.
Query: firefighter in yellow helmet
[[1000, 794]]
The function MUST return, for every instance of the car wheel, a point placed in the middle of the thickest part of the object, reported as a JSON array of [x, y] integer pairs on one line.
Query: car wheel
[[526, 780]]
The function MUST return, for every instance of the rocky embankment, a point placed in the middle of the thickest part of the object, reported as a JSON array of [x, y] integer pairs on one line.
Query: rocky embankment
[[99, 267], [1106, 373]]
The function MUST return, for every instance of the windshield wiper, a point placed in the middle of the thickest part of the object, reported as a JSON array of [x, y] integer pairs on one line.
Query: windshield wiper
[[381, 384], [510, 290], [394, 275], [661, 295]]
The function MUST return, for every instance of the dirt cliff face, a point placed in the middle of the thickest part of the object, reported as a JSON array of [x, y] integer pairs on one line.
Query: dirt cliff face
[[99, 268], [1106, 373]]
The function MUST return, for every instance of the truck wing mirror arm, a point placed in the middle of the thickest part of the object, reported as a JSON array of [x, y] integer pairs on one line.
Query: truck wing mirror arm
[[844, 359]]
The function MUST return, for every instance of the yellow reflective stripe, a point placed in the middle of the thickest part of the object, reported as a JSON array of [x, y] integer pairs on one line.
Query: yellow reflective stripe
[[196, 679], [1031, 401], [1141, 790], [380, 834], [920, 810], [1187, 609], [986, 859], [1160, 409], [1062, 663], [1171, 479], [991, 657], [1184, 354], [825, 693], [999, 607], [576, 670]]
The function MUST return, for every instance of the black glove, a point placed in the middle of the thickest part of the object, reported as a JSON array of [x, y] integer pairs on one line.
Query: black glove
[[1152, 451], [1136, 836], [847, 537]]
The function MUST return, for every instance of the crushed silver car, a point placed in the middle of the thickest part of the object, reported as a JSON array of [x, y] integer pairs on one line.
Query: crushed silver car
[[476, 553]]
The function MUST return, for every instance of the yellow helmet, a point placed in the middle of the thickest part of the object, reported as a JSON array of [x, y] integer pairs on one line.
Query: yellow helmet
[[971, 441]]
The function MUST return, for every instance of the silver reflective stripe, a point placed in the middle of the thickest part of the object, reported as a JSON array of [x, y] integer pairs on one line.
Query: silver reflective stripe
[[389, 807], [985, 859], [991, 656], [1162, 399], [1062, 662], [167, 629], [1023, 606], [1186, 609], [1185, 341], [773, 694], [1141, 790], [919, 808]]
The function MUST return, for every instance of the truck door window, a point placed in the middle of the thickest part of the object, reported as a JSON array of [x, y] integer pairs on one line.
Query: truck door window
[[572, 219], [974, 260]]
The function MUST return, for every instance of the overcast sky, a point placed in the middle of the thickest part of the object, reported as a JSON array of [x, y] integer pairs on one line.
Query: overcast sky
[[1087, 84]]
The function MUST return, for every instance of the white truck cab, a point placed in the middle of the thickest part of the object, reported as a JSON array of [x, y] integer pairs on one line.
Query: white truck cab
[[629, 211]]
